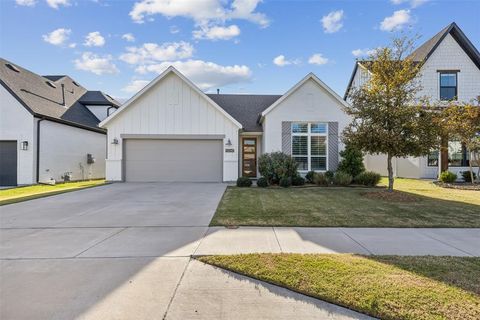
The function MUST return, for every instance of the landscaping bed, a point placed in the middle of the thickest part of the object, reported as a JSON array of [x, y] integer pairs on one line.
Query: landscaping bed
[[18, 194], [387, 287], [458, 185], [426, 205]]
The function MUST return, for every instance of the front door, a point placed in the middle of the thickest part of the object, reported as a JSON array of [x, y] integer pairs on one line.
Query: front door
[[249, 157]]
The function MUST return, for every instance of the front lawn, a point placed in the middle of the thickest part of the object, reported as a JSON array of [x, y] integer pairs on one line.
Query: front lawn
[[387, 287], [19, 194], [427, 205]]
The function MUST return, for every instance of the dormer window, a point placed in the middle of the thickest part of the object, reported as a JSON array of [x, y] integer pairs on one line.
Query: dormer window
[[448, 86]]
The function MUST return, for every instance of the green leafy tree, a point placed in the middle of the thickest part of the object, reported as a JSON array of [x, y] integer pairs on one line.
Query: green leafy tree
[[387, 116], [461, 122], [352, 160]]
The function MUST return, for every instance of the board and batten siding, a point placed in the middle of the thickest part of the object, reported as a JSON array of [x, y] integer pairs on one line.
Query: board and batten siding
[[171, 107], [309, 103]]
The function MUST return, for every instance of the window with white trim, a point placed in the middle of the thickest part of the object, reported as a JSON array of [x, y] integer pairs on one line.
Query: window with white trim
[[310, 145]]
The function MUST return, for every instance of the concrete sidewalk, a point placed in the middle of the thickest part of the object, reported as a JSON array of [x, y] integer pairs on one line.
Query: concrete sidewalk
[[378, 241]]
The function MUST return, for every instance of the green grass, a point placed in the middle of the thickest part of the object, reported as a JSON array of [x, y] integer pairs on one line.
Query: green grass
[[387, 287], [348, 207], [13, 195]]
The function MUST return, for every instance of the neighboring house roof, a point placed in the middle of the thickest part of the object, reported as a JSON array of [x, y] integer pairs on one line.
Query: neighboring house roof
[[169, 70], [42, 96], [423, 52], [309, 76], [98, 98], [245, 108]]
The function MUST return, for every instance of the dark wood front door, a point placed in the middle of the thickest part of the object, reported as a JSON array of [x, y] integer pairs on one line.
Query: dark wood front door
[[249, 157]]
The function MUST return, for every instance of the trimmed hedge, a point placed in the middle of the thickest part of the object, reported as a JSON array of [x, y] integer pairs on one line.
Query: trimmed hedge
[[320, 179], [298, 181], [262, 182], [285, 182], [310, 176], [342, 178], [447, 177], [368, 178], [244, 182]]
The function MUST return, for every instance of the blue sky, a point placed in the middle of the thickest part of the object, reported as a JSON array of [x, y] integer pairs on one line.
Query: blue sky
[[239, 46]]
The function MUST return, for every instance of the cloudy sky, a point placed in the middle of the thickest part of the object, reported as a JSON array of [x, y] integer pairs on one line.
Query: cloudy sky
[[239, 46]]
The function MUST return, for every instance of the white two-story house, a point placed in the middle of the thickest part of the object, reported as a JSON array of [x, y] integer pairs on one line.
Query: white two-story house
[[450, 71]]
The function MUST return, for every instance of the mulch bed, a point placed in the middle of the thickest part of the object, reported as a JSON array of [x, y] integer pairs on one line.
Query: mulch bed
[[458, 185], [395, 196]]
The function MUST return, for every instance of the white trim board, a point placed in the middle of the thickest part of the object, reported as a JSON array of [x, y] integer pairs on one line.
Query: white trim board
[[169, 70]]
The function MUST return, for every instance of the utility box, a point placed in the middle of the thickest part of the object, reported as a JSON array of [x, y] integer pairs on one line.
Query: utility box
[[90, 158]]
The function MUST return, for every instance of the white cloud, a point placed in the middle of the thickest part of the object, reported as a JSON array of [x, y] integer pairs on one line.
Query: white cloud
[[281, 61], [128, 37], [72, 45], [26, 3], [413, 3], [363, 52], [217, 32], [57, 37], [206, 75], [96, 64], [332, 22], [396, 21], [94, 39], [135, 85], [318, 59], [55, 4], [174, 29], [152, 52], [201, 11]]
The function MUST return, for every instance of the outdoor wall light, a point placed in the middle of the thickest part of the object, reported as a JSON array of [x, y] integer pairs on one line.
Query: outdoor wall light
[[24, 145], [115, 141], [229, 143]]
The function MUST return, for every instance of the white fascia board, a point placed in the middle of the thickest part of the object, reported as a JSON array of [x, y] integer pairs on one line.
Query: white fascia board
[[298, 85], [158, 79]]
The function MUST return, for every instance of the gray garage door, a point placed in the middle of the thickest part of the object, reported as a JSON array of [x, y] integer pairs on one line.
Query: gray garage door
[[173, 160], [8, 163]]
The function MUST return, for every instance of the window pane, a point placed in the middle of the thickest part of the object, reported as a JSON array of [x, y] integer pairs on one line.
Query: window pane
[[302, 163], [318, 146], [432, 159], [447, 93], [448, 79], [300, 145], [319, 128], [319, 163], [455, 154], [299, 127]]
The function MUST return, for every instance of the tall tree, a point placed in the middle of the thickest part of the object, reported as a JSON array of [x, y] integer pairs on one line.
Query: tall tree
[[387, 115], [461, 122]]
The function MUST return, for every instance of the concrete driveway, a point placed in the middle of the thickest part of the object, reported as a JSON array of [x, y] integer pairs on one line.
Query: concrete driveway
[[110, 252]]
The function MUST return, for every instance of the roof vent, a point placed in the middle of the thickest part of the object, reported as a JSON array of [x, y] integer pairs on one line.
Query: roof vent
[[12, 67], [109, 96], [75, 83], [50, 83]]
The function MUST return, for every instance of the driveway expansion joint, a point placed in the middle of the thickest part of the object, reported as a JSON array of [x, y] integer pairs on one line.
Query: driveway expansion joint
[[356, 241], [101, 241]]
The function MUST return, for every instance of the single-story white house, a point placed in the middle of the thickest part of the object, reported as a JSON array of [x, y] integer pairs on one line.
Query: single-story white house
[[172, 131], [49, 128]]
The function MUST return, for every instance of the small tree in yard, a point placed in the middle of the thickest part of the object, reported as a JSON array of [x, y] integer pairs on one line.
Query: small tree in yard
[[352, 161], [386, 115], [461, 122]]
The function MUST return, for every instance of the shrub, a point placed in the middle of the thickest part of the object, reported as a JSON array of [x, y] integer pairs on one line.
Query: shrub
[[244, 182], [276, 165], [368, 178], [329, 174], [342, 178], [309, 176], [352, 161], [320, 179], [262, 182], [466, 176], [285, 182], [298, 181], [447, 177]]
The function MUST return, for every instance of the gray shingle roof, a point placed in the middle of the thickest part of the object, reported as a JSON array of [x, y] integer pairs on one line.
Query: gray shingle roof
[[245, 108], [41, 99], [423, 52], [98, 98]]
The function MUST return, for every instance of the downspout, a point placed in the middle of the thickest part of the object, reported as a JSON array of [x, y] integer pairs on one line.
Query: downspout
[[38, 149]]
